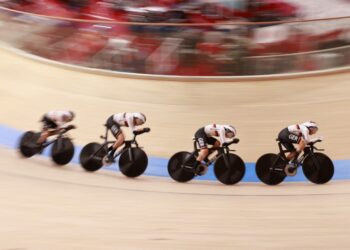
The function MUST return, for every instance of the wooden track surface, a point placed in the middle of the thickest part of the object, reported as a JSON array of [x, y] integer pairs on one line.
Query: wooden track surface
[[45, 207]]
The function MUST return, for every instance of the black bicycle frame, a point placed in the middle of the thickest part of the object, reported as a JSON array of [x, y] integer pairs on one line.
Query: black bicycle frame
[[127, 145], [222, 152], [59, 136], [308, 150]]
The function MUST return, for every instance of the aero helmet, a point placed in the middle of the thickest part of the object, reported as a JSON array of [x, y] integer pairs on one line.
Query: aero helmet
[[230, 129], [310, 124], [140, 116], [72, 114]]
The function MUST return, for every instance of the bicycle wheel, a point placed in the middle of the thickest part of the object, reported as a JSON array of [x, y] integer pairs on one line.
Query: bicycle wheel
[[270, 169], [91, 156], [62, 151], [27, 144], [133, 162], [177, 167], [321, 175], [232, 173]]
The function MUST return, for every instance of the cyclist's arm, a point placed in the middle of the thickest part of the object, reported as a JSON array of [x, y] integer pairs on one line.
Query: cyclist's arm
[[222, 137], [129, 119], [306, 136]]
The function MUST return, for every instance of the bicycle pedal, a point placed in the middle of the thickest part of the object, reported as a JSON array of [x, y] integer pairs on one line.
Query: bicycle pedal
[[106, 161], [201, 170]]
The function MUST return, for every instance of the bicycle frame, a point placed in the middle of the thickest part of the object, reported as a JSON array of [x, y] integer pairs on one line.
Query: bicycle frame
[[221, 152], [308, 150], [60, 135], [127, 144]]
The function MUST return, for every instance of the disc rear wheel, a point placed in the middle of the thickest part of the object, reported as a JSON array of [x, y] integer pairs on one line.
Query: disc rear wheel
[[27, 144]]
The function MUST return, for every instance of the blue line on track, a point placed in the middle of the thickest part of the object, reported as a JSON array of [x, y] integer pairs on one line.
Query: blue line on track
[[157, 166]]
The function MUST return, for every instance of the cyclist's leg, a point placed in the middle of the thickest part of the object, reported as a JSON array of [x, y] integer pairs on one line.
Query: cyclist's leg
[[288, 139], [301, 145], [212, 141], [202, 140], [49, 128], [117, 133]]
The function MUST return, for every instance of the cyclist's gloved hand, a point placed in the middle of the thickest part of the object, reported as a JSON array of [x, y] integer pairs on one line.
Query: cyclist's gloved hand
[[320, 138], [235, 140], [225, 144], [136, 132], [69, 127], [146, 130]]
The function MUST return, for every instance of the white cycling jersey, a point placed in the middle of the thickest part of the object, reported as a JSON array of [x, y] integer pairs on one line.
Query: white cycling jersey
[[58, 117], [218, 131], [302, 131], [125, 120]]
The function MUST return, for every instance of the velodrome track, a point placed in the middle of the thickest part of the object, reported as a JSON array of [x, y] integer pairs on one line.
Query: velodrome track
[[45, 207]]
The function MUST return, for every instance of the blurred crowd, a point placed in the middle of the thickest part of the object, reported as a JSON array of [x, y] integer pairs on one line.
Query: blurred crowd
[[188, 11], [220, 37]]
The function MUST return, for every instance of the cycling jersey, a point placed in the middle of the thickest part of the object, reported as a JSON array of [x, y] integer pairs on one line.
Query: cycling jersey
[[218, 131], [125, 120], [302, 131], [57, 118]]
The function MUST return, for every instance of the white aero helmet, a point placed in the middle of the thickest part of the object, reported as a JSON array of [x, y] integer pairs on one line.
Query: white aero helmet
[[140, 116], [72, 114], [230, 129], [67, 115], [310, 124]]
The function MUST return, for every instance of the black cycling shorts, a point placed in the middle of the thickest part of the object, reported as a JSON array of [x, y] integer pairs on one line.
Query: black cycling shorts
[[202, 138], [48, 123], [113, 126], [288, 139]]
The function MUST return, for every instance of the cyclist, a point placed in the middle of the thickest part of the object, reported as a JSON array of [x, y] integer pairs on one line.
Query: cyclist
[[205, 136], [53, 122], [114, 124], [298, 134]]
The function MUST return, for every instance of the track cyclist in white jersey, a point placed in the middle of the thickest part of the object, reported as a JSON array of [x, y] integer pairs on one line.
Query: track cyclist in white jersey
[[53, 122], [205, 136], [298, 134], [114, 124]]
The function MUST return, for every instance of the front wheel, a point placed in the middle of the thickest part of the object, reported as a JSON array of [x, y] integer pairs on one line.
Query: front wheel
[[270, 169], [27, 144], [318, 168], [233, 172], [180, 166], [62, 151], [91, 156], [133, 162]]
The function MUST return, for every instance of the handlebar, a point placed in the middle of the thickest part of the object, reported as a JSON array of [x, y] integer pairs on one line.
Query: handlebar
[[234, 141], [311, 145], [66, 129], [136, 133], [145, 130], [225, 145]]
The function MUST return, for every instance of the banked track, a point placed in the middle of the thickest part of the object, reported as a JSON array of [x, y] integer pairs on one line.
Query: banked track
[[45, 207]]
